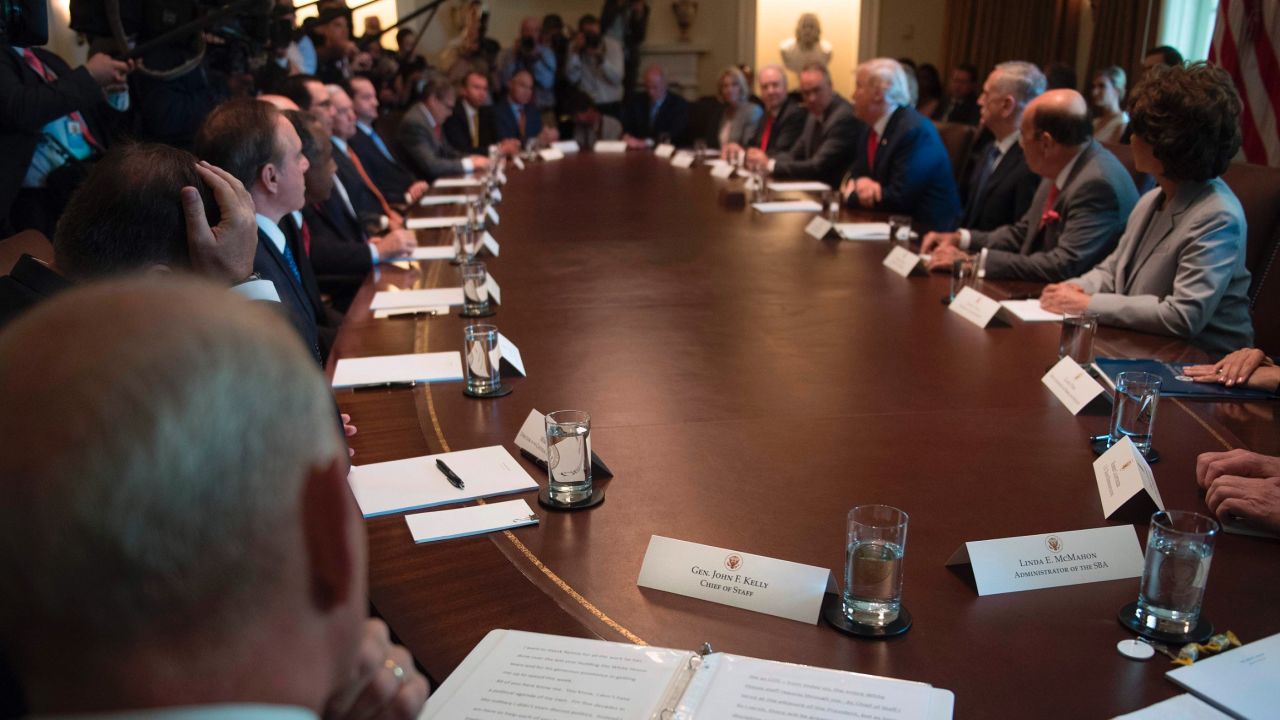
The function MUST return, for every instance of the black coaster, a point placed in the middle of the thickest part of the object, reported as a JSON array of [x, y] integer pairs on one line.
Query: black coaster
[[1098, 444], [833, 613], [490, 313], [498, 391], [1128, 617], [597, 497]]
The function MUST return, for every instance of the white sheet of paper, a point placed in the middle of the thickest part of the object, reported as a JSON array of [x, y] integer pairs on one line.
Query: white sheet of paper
[[683, 159], [432, 252], [799, 186], [723, 171], [424, 310], [415, 483], [493, 214], [511, 354], [457, 182], [491, 285], [551, 154], [1030, 311], [731, 577], [608, 680], [1072, 385], [863, 230], [415, 367], [1032, 562], [467, 521], [609, 146], [818, 227], [518, 162], [1242, 681], [1178, 707], [427, 200], [901, 261], [488, 242], [786, 206], [664, 150], [532, 437], [388, 299], [974, 307], [566, 146], [428, 223], [1121, 473]]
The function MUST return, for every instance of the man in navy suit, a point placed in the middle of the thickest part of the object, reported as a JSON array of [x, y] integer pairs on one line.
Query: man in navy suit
[[901, 165], [396, 182], [517, 117], [469, 129], [1000, 184], [655, 113]]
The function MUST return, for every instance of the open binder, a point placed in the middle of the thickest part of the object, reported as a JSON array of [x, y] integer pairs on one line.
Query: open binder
[[514, 674]]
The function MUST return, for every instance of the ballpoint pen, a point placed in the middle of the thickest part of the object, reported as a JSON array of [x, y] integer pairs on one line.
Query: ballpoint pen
[[453, 478]]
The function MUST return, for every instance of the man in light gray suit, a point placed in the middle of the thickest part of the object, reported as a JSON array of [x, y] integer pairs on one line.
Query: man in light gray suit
[[1179, 269], [421, 136], [827, 146], [1077, 213]]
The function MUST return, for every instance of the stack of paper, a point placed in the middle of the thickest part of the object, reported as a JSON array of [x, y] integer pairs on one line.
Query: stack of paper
[[863, 230], [427, 200], [456, 182], [1241, 682], [467, 521], [799, 186], [785, 206], [391, 487], [1030, 311], [431, 252], [397, 369], [400, 299], [398, 312], [427, 223]]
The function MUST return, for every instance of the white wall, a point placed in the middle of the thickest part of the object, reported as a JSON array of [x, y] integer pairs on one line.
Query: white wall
[[776, 21]]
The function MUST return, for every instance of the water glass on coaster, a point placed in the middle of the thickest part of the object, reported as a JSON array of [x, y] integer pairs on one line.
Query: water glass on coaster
[[831, 205], [569, 484], [482, 358], [1179, 550], [900, 229], [475, 290], [963, 275], [875, 546], [461, 243], [1133, 414], [1076, 340]]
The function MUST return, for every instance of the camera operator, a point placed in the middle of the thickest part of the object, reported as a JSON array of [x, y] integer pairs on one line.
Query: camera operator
[[335, 51], [530, 54], [56, 122], [595, 66]]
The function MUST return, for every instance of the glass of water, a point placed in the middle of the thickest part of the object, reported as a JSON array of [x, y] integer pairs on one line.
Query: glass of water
[[900, 228], [1179, 549], [475, 289], [1076, 340], [483, 357], [569, 455], [963, 275], [1133, 415], [877, 540]]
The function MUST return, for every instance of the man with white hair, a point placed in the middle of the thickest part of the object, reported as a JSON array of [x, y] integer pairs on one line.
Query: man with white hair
[[901, 165], [1001, 186], [784, 117], [177, 511], [827, 144]]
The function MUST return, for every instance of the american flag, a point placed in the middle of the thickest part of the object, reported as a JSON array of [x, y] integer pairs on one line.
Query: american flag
[[1245, 43]]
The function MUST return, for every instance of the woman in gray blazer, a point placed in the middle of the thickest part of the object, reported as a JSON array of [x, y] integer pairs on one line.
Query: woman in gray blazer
[[1179, 267], [738, 115]]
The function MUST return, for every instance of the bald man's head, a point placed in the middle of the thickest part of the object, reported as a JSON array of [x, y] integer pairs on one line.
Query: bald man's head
[[1063, 114]]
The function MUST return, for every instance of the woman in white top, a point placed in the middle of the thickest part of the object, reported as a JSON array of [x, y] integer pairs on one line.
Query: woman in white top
[[738, 115], [1108, 92]]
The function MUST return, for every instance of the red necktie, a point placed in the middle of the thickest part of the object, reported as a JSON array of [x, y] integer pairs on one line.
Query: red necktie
[[49, 77], [1048, 213], [306, 238], [873, 142], [768, 128]]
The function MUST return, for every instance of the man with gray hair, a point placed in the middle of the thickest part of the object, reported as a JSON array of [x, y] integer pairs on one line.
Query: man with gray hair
[[784, 117], [176, 510], [901, 164], [1000, 185], [826, 146]]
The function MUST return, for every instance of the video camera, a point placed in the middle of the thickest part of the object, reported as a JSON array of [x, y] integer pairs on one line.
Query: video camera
[[24, 23]]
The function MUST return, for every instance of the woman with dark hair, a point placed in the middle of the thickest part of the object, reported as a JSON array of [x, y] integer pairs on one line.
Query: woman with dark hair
[[1179, 267], [928, 89], [1109, 121]]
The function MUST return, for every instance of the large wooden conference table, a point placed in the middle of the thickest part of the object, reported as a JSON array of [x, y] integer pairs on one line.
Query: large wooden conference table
[[748, 385]]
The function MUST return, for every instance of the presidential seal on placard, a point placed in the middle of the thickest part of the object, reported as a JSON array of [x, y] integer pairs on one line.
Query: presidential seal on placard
[[733, 562], [1054, 543]]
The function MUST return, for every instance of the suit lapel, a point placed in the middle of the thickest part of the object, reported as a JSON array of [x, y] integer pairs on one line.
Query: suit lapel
[[1158, 226], [882, 147], [1036, 211], [299, 295]]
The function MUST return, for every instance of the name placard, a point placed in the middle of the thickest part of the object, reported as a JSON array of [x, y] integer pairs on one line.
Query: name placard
[[820, 228], [532, 441], [902, 261], [723, 171], [974, 307], [551, 153], [1032, 562], [732, 577], [1072, 385], [515, 160], [1126, 485], [489, 243], [493, 214], [682, 159], [510, 356], [610, 146], [566, 146], [665, 150], [491, 285]]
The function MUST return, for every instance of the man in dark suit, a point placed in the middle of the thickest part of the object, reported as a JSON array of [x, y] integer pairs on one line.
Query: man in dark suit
[[827, 146], [366, 199], [961, 103], [421, 136], [517, 117], [1000, 185], [51, 110], [396, 181], [654, 114], [1077, 214], [469, 128], [900, 165], [784, 115]]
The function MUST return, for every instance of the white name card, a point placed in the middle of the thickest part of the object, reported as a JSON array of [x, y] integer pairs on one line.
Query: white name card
[[610, 146], [819, 228], [567, 147], [511, 355], [515, 160], [489, 243], [1126, 485], [731, 577], [491, 285], [974, 307], [902, 261], [1071, 384], [1032, 562], [532, 437], [723, 171], [664, 150], [551, 153], [682, 159], [493, 214]]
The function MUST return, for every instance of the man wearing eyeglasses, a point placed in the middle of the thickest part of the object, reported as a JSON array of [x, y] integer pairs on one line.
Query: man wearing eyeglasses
[[828, 144], [422, 138]]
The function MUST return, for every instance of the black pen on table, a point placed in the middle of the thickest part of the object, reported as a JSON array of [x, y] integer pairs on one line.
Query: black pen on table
[[452, 476]]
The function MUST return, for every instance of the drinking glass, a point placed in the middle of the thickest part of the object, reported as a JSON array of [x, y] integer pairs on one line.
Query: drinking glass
[[480, 348], [877, 541], [1179, 549], [475, 289], [900, 228], [1076, 340], [461, 243], [1133, 414], [962, 276], [569, 455], [831, 203]]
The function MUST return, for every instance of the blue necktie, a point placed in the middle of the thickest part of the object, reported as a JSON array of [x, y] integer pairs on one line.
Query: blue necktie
[[985, 170], [382, 147], [293, 265]]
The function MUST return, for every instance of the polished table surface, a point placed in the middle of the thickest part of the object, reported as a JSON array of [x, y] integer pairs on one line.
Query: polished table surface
[[748, 385]]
